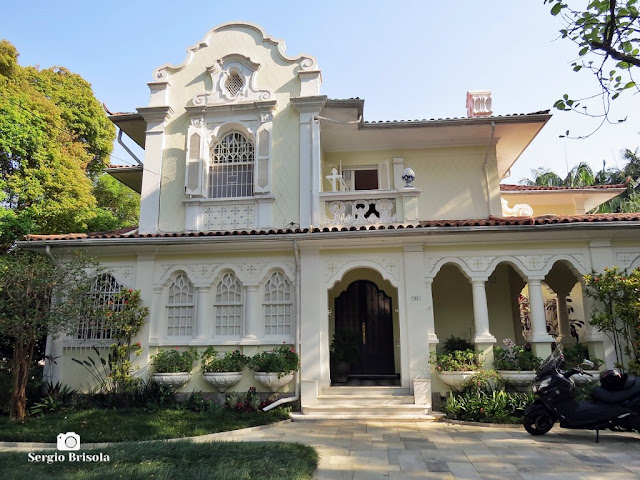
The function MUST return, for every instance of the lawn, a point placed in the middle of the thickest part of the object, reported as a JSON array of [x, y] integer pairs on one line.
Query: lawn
[[103, 425], [182, 460]]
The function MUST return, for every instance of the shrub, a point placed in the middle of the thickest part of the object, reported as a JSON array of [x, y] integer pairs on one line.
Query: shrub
[[576, 354], [494, 407], [214, 362], [485, 380], [281, 360], [514, 357], [452, 344], [174, 361], [458, 360]]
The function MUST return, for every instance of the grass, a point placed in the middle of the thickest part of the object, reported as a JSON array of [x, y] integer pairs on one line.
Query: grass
[[170, 460], [102, 425]]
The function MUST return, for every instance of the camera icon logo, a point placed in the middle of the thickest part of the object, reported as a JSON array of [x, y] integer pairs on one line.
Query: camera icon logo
[[69, 441]]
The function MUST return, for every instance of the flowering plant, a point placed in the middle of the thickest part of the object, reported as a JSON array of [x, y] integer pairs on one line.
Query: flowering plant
[[457, 361], [215, 362], [515, 357], [281, 360], [174, 361]]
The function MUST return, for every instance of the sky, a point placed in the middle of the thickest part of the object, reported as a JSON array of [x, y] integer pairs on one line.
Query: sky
[[406, 59]]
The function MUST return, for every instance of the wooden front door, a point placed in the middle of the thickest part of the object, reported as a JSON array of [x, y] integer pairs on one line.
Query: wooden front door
[[365, 311]]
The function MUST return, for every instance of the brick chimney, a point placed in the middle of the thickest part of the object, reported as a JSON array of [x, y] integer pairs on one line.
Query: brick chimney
[[479, 104]]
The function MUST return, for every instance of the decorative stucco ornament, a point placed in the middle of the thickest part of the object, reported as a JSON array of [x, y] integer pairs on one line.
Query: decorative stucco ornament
[[408, 176]]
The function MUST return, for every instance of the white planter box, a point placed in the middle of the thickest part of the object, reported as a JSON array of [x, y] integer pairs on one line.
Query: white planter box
[[222, 380], [455, 379], [518, 379], [271, 380], [176, 380]]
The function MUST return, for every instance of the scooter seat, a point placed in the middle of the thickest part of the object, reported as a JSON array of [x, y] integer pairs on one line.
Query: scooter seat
[[631, 389]]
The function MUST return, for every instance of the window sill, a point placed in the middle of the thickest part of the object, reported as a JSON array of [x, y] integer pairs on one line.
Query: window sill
[[229, 201]]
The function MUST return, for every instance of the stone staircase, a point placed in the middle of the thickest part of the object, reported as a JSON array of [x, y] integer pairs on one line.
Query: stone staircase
[[366, 403]]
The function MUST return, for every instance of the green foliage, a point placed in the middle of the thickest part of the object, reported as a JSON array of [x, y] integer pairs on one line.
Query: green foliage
[[574, 355], [497, 406], [118, 206], [57, 397], [344, 347], [174, 361], [514, 357], [214, 362], [281, 360], [606, 33], [39, 296], [452, 344], [485, 380], [457, 361], [250, 402], [616, 311]]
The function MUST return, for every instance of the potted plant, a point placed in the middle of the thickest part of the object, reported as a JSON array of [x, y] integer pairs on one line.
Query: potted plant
[[173, 367], [344, 352], [516, 364], [458, 362], [275, 368], [222, 371], [574, 356]]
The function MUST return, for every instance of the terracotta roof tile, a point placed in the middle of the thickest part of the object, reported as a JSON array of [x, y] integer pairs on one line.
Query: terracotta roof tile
[[505, 187], [482, 222]]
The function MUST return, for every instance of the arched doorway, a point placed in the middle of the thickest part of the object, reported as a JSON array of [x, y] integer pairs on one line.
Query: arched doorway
[[364, 313]]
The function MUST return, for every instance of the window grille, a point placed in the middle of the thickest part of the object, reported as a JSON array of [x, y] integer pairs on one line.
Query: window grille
[[277, 305], [180, 307], [102, 294], [229, 306], [231, 171], [234, 84]]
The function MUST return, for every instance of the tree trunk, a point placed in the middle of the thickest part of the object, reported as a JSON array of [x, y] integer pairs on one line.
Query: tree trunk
[[22, 356]]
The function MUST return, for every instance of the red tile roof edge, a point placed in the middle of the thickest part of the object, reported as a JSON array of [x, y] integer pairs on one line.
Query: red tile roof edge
[[507, 187], [481, 222]]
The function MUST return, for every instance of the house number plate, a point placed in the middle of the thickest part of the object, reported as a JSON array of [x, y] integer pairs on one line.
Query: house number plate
[[416, 299]]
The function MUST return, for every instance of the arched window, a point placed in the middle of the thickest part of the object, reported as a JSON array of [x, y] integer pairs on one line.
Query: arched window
[[277, 305], [180, 308], [228, 306], [101, 295], [231, 171]]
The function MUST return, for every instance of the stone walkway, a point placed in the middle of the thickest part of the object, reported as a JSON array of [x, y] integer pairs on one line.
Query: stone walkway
[[437, 450]]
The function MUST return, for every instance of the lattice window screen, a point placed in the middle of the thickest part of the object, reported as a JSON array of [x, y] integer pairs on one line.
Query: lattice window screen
[[229, 306], [277, 305], [102, 293], [231, 171], [234, 84], [180, 308]]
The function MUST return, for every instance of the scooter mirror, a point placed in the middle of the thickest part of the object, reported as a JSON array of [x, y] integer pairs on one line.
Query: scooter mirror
[[588, 363]]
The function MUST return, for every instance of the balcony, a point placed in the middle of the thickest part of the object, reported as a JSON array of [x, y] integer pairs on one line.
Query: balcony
[[369, 207]]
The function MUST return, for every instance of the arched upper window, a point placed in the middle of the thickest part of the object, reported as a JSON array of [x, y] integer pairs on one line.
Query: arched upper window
[[180, 308], [277, 305], [228, 306], [101, 295], [232, 165]]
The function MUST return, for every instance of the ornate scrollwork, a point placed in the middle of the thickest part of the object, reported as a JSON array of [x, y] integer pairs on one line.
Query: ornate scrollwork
[[361, 212]]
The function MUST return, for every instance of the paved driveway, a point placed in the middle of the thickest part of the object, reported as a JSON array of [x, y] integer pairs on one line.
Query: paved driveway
[[412, 450]]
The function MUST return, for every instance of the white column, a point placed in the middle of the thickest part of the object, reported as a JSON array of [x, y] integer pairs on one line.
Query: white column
[[251, 316], [314, 348], [310, 165], [481, 312], [431, 319], [152, 178], [536, 304], [203, 315], [416, 347], [564, 329], [157, 326]]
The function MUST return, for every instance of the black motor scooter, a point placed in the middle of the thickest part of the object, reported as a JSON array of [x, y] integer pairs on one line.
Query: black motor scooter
[[615, 410]]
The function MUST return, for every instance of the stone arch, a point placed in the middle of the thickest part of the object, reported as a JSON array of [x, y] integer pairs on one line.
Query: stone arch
[[573, 265], [635, 263], [462, 266], [173, 272], [514, 262], [339, 273]]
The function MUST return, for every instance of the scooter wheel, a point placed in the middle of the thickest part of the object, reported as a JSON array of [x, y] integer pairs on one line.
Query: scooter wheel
[[538, 423]]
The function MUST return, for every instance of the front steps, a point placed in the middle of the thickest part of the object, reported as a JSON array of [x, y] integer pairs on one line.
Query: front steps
[[366, 403]]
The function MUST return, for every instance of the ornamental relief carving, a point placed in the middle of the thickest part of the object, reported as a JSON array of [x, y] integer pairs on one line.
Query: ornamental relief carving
[[627, 259], [229, 217], [388, 265], [197, 272], [124, 275]]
